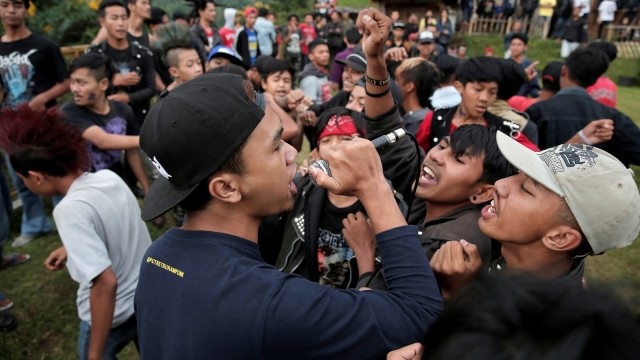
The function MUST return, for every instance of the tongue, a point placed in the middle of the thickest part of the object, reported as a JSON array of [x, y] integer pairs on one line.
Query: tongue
[[293, 188]]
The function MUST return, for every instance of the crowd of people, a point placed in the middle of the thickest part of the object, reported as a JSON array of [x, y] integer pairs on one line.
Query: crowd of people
[[472, 227]]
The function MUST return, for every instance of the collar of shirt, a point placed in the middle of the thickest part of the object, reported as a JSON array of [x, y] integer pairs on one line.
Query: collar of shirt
[[574, 90]]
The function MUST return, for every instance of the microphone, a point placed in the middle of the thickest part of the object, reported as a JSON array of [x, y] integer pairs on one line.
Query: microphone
[[379, 143], [385, 140]]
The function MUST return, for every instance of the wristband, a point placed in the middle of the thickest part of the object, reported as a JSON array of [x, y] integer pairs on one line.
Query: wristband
[[584, 138], [375, 82], [378, 95]]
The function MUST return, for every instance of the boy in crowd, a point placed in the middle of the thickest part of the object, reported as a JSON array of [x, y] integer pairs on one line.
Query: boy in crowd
[[139, 12], [354, 67], [290, 40], [33, 71], [564, 117], [222, 55], [518, 47], [351, 38], [456, 181], [477, 81], [417, 80], [134, 77], [266, 33], [567, 202], [205, 34], [178, 54], [247, 39], [98, 221], [277, 80], [313, 78], [109, 126]]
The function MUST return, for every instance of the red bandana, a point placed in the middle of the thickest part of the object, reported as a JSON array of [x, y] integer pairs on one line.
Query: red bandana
[[339, 125]]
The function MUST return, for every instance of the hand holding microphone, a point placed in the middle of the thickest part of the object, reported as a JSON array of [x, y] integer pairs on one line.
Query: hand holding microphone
[[379, 143], [354, 165]]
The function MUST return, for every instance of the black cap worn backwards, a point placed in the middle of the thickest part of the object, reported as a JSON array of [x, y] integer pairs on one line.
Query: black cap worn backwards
[[193, 130]]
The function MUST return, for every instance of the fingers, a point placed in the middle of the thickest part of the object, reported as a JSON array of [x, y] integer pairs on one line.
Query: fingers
[[409, 352], [450, 259], [53, 262], [473, 259], [359, 21], [323, 180], [372, 28]]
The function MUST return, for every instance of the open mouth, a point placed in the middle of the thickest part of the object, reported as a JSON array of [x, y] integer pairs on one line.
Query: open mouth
[[293, 189], [490, 211], [428, 176]]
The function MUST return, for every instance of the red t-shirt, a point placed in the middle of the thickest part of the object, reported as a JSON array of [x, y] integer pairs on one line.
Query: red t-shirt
[[424, 133], [308, 35], [521, 103], [228, 36], [604, 91]]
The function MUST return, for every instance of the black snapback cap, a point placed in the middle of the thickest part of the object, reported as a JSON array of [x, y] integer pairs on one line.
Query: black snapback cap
[[193, 130]]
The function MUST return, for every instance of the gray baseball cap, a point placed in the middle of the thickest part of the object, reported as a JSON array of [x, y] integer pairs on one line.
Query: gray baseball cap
[[598, 188]]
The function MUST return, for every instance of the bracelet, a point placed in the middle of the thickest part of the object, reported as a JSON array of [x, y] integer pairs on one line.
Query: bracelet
[[375, 82], [378, 95], [582, 136]]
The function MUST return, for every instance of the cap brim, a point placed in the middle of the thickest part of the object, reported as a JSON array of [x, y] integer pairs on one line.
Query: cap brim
[[162, 197], [527, 161], [234, 60], [426, 41], [356, 66]]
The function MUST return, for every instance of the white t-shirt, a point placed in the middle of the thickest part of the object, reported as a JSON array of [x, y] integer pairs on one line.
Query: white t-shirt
[[607, 10], [100, 226], [586, 6]]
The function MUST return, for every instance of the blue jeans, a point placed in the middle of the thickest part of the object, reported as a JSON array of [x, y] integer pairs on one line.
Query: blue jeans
[[34, 217], [119, 337]]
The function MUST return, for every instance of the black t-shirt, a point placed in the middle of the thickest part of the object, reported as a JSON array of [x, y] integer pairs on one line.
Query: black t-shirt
[[333, 252], [142, 39], [29, 67], [120, 121], [123, 61]]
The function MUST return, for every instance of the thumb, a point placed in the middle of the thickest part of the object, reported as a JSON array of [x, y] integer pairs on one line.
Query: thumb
[[322, 179], [470, 250], [370, 24]]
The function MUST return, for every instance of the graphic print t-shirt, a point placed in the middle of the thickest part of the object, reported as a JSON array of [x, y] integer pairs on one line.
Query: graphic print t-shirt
[[333, 252], [252, 36], [119, 121], [28, 67]]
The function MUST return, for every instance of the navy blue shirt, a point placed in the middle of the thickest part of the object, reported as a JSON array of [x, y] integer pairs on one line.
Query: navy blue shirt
[[203, 295]]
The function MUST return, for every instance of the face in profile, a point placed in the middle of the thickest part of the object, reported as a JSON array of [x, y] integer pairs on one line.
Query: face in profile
[[521, 211], [266, 153]]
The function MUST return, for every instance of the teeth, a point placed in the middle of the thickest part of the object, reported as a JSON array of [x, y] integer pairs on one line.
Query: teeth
[[429, 172], [493, 203]]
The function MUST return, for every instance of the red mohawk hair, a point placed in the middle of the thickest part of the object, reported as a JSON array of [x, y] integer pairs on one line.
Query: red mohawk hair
[[42, 141]]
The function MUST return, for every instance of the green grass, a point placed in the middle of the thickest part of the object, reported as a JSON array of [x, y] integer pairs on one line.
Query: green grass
[[544, 51]]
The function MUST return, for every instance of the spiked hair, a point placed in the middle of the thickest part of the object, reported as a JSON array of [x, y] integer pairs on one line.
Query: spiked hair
[[171, 38], [42, 141]]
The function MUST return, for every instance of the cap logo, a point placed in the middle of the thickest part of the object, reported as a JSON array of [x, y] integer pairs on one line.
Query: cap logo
[[562, 157], [161, 170]]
